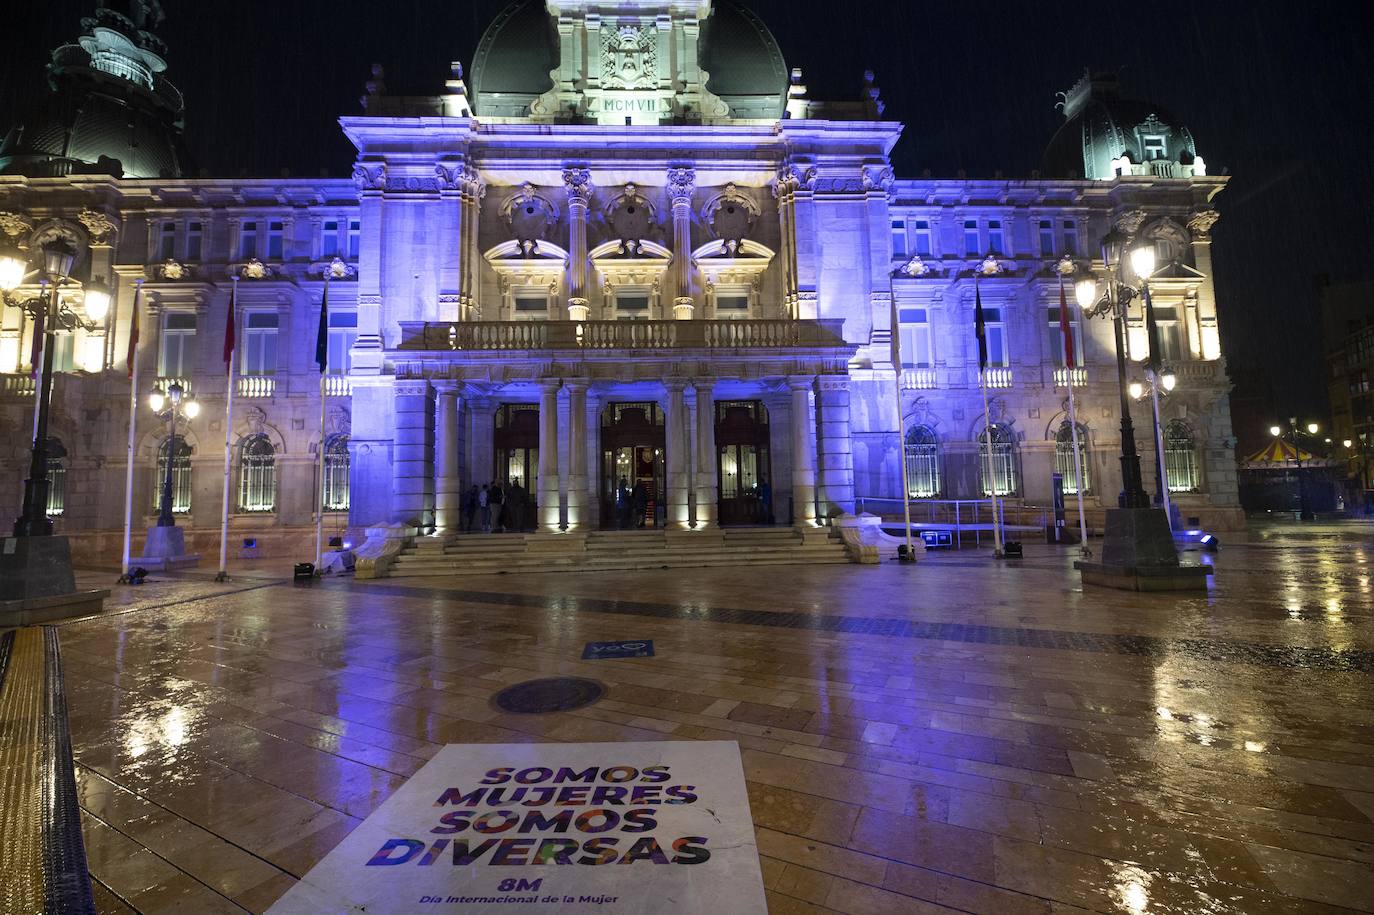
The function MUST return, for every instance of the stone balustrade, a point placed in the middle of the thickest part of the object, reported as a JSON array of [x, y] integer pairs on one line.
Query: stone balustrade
[[617, 335], [257, 386]]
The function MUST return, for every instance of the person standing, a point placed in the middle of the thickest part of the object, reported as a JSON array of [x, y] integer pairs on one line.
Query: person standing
[[622, 505], [639, 502], [484, 503], [498, 514], [470, 499]]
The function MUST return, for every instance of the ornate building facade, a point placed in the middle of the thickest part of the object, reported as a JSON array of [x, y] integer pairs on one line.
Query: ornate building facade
[[630, 248]]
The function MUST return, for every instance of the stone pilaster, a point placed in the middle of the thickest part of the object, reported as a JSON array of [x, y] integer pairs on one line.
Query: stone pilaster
[[549, 507], [707, 486], [579, 184], [412, 459], [1209, 342], [681, 184], [448, 484], [803, 451], [675, 434], [833, 442], [577, 454]]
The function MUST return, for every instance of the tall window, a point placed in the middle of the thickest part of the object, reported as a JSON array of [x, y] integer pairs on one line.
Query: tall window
[[355, 238], [167, 240], [176, 353], [1046, 231], [972, 246], [998, 473], [531, 307], [923, 247], [997, 337], [181, 476], [1057, 337], [343, 333], [57, 478], [63, 352], [632, 306], [922, 463], [915, 331], [195, 240], [732, 305], [1070, 228], [1063, 458], [1170, 333], [275, 240], [260, 343], [257, 474], [996, 244], [336, 473], [899, 238], [1154, 148], [1180, 458], [248, 240], [329, 238]]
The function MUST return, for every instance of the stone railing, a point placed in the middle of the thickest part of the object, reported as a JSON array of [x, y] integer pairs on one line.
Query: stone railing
[[1063, 377], [1196, 371], [18, 385], [918, 379], [163, 382], [337, 386], [999, 377], [618, 335], [257, 385]]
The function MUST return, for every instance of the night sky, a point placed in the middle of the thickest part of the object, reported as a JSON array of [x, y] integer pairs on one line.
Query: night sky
[[1277, 95]]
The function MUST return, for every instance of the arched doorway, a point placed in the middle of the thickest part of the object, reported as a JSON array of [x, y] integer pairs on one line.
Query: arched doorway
[[631, 458], [743, 465], [516, 445]]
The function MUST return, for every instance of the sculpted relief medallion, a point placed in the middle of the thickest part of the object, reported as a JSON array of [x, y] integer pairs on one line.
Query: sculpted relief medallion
[[629, 57]]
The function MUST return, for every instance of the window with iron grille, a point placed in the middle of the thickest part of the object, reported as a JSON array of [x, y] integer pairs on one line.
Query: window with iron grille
[[922, 463], [336, 473], [1180, 458], [1064, 463], [257, 474], [181, 476], [998, 473]]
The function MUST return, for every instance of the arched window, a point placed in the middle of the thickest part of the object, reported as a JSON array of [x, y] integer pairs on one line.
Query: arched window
[[922, 463], [257, 474], [336, 473], [1180, 458], [997, 474], [181, 477], [1064, 463], [57, 478]]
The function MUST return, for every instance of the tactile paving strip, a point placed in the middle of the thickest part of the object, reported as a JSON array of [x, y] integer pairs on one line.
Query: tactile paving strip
[[22, 890]]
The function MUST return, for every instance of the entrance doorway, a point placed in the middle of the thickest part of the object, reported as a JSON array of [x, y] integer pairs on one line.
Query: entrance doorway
[[632, 466], [744, 467], [516, 448]]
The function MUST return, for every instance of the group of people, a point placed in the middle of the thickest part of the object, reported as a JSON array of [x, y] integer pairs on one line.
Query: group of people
[[631, 503], [494, 510]]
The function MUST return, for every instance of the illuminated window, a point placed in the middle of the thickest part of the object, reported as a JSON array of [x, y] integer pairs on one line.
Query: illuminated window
[[1064, 463], [257, 475], [1170, 331], [329, 239], [1180, 458], [1154, 148], [248, 240], [531, 308], [181, 477], [176, 352], [1070, 228], [1046, 228], [57, 478], [916, 344], [923, 247], [732, 305], [972, 246], [1057, 337], [336, 473], [195, 233], [632, 306], [995, 240], [922, 463], [996, 333], [167, 241], [899, 238], [260, 343], [275, 240], [355, 238], [343, 333], [63, 351], [997, 473]]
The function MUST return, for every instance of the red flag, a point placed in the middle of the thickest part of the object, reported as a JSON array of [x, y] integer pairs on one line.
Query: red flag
[[1066, 328], [229, 325], [133, 331]]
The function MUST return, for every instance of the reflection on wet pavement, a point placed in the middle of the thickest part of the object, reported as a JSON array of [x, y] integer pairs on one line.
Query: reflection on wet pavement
[[955, 737]]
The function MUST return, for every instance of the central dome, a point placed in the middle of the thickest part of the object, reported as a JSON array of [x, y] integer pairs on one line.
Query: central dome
[[519, 52]]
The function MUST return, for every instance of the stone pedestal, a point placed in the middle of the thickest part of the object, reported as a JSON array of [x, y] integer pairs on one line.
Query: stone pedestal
[[32, 567], [1138, 554], [165, 549]]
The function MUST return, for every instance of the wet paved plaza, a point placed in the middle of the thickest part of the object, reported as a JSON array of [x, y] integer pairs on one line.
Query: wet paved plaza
[[957, 736]]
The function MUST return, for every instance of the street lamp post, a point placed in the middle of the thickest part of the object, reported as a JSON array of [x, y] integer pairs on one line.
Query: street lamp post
[[1158, 384], [175, 403], [1305, 512]]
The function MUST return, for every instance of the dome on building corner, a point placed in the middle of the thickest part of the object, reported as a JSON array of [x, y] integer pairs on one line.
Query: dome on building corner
[[511, 66], [1103, 130]]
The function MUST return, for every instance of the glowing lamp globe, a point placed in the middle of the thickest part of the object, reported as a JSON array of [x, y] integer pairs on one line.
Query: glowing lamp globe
[[1143, 260], [1275, 431], [157, 401], [97, 301], [1085, 292]]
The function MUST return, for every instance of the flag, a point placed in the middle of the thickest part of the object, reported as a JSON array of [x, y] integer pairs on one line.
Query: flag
[[979, 327], [322, 333], [896, 339], [1066, 328], [229, 326], [133, 332], [36, 357]]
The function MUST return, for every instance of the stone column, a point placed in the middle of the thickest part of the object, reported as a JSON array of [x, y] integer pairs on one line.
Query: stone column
[[412, 459], [579, 184], [707, 487], [577, 454], [680, 187], [675, 433], [448, 484], [803, 451], [481, 434], [837, 459], [549, 507]]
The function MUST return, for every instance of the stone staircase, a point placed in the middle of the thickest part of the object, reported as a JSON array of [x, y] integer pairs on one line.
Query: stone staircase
[[595, 551]]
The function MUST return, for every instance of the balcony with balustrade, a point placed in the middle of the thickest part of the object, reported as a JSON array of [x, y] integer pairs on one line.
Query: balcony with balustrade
[[256, 386]]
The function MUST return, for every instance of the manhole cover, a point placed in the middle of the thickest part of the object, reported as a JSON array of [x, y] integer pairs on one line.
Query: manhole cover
[[554, 694]]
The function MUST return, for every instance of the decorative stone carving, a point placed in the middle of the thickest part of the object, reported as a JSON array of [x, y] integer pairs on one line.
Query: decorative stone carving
[[1201, 222], [255, 270], [1131, 220], [681, 185], [370, 177], [530, 217], [878, 177], [13, 224], [98, 224], [990, 266], [254, 419], [450, 176], [629, 57], [630, 217], [915, 267], [578, 182], [411, 183], [172, 270], [336, 269], [338, 421], [473, 185], [731, 216], [67, 230]]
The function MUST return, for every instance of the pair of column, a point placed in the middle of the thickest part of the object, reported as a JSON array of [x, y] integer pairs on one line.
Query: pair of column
[[831, 490]]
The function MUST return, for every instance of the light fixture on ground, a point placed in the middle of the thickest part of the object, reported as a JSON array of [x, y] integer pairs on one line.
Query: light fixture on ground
[[165, 547], [1138, 552], [36, 565]]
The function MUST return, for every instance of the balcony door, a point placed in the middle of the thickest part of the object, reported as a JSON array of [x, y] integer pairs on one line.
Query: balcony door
[[632, 466], [516, 446], [742, 463]]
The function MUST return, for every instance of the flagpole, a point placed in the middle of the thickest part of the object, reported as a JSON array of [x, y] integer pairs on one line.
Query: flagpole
[[133, 418], [223, 573], [901, 428], [1071, 363], [319, 489], [987, 413]]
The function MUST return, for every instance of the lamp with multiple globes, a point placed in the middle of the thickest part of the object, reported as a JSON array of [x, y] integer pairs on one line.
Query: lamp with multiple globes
[[1295, 433], [175, 402]]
